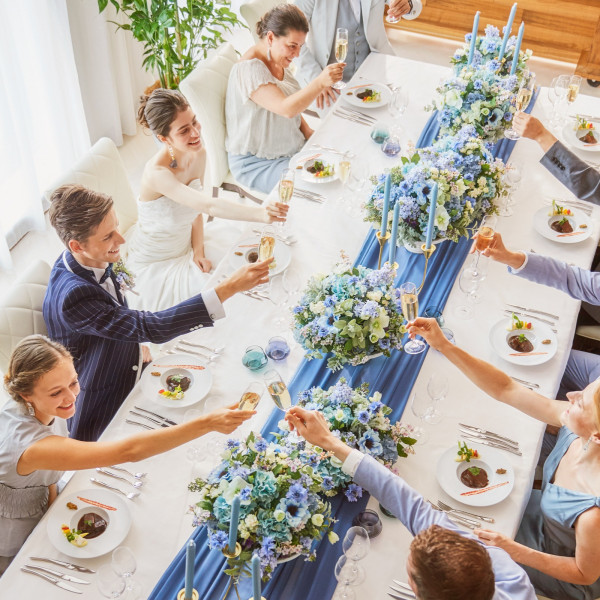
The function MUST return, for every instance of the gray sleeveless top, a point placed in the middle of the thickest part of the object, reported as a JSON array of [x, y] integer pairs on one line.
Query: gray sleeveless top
[[23, 498]]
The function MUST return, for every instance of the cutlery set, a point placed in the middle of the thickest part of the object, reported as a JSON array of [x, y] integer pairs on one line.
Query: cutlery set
[[459, 519], [402, 591], [150, 416], [56, 577], [308, 195], [137, 477], [354, 115], [288, 240], [489, 438], [334, 150]]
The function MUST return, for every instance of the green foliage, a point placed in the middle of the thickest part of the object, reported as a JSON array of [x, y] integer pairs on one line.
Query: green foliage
[[176, 35]]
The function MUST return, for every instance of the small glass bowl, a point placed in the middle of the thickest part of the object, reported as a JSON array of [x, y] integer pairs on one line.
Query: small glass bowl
[[370, 521]]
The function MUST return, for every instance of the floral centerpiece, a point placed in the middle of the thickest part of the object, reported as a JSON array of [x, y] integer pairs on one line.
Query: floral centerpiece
[[353, 314], [281, 513], [359, 420], [469, 182]]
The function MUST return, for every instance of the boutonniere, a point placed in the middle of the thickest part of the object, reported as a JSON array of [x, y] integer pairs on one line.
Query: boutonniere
[[124, 277]]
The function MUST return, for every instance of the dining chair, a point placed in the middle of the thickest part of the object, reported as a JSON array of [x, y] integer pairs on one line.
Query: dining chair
[[21, 309], [253, 10], [205, 89]]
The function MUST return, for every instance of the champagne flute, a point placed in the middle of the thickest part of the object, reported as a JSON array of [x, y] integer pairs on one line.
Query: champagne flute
[[485, 235], [409, 15], [522, 100], [286, 190], [266, 249], [341, 50], [124, 564], [356, 546], [345, 575], [410, 308], [277, 389], [573, 89], [344, 170], [251, 396]]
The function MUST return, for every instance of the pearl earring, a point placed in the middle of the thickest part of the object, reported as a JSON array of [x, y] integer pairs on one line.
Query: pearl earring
[[30, 409], [173, 163]]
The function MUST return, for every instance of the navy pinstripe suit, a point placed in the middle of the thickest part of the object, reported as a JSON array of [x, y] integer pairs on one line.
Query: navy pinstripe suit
[[103, 336]]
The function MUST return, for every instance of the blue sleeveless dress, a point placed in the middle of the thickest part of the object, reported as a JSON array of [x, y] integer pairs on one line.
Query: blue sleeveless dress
[[548, 526]]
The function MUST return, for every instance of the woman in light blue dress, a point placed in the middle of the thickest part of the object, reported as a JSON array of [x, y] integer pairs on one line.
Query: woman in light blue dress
[[558, 543]]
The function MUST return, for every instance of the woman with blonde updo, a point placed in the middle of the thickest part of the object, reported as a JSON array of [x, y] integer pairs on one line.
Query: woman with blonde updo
[[167, 250], [264, 101], [35, 449]]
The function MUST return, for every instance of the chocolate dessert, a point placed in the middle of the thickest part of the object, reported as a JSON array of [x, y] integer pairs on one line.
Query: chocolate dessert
[[520, 343], [92, 524], [178, 380], [474, 477], [562, 226], [589, 138], [252, 256]]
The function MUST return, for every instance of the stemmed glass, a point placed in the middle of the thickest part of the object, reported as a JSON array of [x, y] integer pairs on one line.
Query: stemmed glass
[[341, 50], [110, 584], [469, 286], [485, 235], [286, 189], [573, 89], [522, 100], [561, 86], [355, 184], [344, 574], [390, 19], [344, 168], [279, 296], [410, 308], [251, 396], [422, 407], [123, 564], [291, 285], [397, 106], [277, 389], [356, 546], [266, 249], [437, 388]]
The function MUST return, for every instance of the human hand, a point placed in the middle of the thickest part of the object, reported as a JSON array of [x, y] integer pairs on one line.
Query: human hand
[[530, 127], [146, 356], [493, 538], [276, 211], [397, 8], [245, 278], [311, 425], [227, 420], [202, 263], [327, 97], [428, 329], [500, 253], [331, 74]]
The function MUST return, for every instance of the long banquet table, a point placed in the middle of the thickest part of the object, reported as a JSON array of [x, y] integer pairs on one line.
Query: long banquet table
[[160, 524]]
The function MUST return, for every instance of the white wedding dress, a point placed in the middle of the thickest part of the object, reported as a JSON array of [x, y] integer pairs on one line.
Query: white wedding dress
[[159, 252]]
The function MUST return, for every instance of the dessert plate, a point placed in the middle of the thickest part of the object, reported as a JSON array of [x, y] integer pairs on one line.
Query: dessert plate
[[351, 95], [542, 224]]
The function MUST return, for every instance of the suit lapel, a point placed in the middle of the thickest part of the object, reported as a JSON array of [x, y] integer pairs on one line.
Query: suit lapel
[[331, 7]]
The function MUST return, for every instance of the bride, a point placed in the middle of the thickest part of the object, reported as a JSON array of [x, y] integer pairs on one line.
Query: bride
[[167, 250]]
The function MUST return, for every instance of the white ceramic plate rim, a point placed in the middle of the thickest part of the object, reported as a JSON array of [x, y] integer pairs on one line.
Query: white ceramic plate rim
[[383, 89], [540, 224], [542, 331], [117, 530], [282, 253], [450, 483], [572, 140], [151, 384]]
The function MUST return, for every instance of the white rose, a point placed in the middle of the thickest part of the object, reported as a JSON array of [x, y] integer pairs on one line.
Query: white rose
[[317, 520]]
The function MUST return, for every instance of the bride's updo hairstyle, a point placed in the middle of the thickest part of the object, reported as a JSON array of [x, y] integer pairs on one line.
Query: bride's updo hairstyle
[[32, 358], [158, 110], [281, 19]]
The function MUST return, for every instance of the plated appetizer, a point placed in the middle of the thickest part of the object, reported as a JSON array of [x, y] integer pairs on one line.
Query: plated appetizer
[[586, 132], [368, 95], [465, 453], [517, 324], [559, 210], [74, 536], [319, 168]]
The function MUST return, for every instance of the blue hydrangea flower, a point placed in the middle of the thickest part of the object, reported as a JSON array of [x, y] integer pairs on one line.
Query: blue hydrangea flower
[[297, 493], [354, 492], [363, 417], [260, 445], [369, 443], [218, 540], [327, 482]]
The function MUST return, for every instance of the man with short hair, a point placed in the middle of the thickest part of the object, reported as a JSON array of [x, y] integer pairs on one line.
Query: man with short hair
[[444, 563], [85, 308]]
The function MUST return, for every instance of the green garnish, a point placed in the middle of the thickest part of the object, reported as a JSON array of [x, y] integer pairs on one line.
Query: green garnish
[[474, 471], [465, 452], [522, 338]]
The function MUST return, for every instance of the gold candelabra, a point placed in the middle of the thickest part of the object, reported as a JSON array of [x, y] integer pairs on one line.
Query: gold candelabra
[[230, 556], [428, 252], [382, 239]]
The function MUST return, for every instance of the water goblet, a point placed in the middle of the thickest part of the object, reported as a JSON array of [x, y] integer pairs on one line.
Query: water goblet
[[341, 50], [437, 388], [398, 102], [254, 358], [561, 86], [124, 564], [421, 406], [277, 348], [110, 584], [410, 308], [469, 286], [279, 296], [345, 575], [356, 546]]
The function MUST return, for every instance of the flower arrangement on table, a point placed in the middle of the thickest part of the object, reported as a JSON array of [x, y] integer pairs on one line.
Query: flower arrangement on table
[[354, 314], [281, 512], [469, 182], [359, 420]]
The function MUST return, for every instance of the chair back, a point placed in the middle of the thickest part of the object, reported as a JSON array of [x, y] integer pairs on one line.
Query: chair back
[[101, 169], [21, 309], [205, 89], [253, 10]]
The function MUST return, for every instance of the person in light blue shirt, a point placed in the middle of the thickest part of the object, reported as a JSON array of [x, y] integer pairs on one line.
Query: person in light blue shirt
[[444, 562]]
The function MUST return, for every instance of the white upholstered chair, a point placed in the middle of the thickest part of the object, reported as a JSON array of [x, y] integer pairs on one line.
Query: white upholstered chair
[[253, 10], [205, 89], [21, 309]]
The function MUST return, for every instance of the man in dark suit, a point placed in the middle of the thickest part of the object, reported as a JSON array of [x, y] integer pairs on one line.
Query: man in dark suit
[[85, 310]]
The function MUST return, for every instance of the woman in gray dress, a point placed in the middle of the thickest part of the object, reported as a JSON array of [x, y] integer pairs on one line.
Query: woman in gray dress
[[35, 448]]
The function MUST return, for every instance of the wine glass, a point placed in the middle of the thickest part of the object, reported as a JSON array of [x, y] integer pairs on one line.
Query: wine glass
[[485, 235], [286, 190], [251, 396], [345, 575], [277, 389], [437, 388], [522, 100], [291, 284], [110, 584], [410, 308], [421, 406], [356, 183], [469, 286], [573, 89], [341, 50], [356, 546], [279, 296], [124, 564], [398, 102]]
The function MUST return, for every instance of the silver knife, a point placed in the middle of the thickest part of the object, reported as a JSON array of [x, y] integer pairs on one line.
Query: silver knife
[[59, 574], [493, 445], [140, 424], [53, 580], [137, 414], [403, 585], [155, 415], [489, 433], [62, 563], [188, 351], [533, 310], [482, 436]]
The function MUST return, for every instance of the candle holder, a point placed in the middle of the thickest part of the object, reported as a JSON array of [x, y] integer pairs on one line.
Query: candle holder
[[428, 252], [230, 556], [181, 595], [394, 266], [382, 239]]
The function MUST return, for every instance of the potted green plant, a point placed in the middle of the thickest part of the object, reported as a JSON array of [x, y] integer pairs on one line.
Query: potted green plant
[[176, 34]]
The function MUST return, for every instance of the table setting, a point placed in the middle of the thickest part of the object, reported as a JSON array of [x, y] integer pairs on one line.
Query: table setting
[[252, 357]]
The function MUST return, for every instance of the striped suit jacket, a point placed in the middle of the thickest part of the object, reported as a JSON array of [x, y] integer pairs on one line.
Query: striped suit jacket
[[103, 336]]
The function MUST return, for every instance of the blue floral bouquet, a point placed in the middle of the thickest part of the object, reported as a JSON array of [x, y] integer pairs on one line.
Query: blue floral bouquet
[[281, 513], [353, 314], [360, 421], [469, 182]]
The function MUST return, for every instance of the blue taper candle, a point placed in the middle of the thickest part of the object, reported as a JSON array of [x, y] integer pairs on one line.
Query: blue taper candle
[[394, 236], [511, 18], [473, 37], [431, 223], [515, 60], [386, 203], [190, 559], [256, 591], [233, 525]]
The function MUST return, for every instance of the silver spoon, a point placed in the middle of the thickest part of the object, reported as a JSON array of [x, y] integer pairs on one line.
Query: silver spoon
[[136, 475], [130, 495], [135, 484]]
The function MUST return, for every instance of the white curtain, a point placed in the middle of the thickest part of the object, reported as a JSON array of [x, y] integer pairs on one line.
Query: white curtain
[[42, 121]]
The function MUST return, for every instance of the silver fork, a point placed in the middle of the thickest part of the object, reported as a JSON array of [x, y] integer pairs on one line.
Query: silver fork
[[445, 506], [135, 484], [356, 113], [130, 495], [465, 521], [136, 475], [195, 345]]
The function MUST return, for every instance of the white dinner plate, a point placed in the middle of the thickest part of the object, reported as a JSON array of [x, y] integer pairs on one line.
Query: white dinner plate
[[350, 95], [449, 471], [542, 221], [570, 137], [281, 252], [119, 522], [179, 364], [304, 160], [539, 331]]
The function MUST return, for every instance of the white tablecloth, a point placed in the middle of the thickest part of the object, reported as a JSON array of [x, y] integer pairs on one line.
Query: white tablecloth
[[160, 526]]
